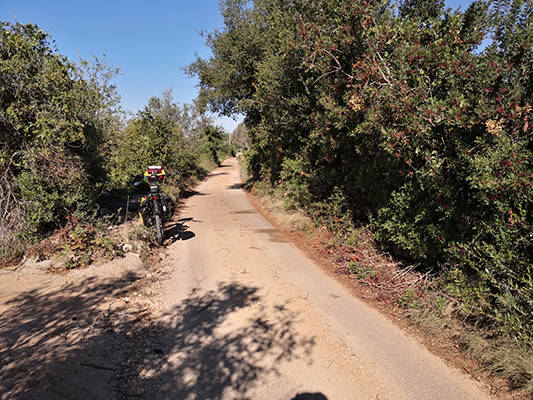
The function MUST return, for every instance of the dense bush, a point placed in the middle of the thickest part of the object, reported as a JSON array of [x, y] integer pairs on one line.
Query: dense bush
[[395, 113], [164, 133], [54, 117]]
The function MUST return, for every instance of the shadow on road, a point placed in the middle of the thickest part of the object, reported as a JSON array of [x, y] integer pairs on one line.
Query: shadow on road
[[236, 186], [81, 342], [273, 235], [198, 352], [310, 396], [175, 231], [63, 344], [190, 193], [212, 174]]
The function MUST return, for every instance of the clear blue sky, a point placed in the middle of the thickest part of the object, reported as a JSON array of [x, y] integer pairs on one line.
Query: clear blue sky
[[148, 40]]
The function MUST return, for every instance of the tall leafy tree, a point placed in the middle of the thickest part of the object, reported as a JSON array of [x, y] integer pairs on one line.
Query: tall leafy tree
[[393, 112], [227, 81], [54, 118], [163, 133], [150, 139]]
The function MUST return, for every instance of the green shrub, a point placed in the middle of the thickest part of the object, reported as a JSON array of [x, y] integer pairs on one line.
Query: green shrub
[[54, 118], [362, 271], [294, 184], [77, 245]]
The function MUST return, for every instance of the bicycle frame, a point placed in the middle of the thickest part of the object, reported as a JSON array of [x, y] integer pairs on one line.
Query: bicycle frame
[[156, 206]]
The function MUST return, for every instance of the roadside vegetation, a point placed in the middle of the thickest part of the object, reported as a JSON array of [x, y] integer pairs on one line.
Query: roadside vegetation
[[400, 131], [405, 122], [67, 150]]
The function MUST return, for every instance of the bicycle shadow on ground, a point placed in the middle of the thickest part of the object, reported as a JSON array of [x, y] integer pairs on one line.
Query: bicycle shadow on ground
[[197, 352], [178, 230]]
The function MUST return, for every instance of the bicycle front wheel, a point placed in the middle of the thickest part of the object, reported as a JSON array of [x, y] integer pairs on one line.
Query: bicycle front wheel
[[159, 227]]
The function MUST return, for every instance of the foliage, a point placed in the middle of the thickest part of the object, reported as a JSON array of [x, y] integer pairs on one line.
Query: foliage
[[213, 139], [143, 239], [165, 133], [294, 184], [77, 245], [148, 139], [223, 86], [54, 118], [396, 113], [361, 270]]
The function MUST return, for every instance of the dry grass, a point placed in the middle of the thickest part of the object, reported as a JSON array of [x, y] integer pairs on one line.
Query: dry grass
[[503, 358], [506, 365]]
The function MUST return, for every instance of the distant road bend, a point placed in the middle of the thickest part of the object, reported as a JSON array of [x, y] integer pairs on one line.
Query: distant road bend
[[249, 316]]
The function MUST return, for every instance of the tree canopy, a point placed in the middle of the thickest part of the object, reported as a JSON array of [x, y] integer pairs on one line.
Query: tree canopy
[[54, 117], [396, 113]]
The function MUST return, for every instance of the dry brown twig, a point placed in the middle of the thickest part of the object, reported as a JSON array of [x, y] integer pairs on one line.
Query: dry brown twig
[[388, 278]]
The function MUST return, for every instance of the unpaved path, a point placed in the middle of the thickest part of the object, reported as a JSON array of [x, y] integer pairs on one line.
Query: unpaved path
[[65, 336], [249, 316], [230, 310]]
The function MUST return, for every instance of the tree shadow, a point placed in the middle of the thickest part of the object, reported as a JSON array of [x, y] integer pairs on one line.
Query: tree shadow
[[202, 350], [190, 193], [236, 186], [83, 342], [212, 174], [62, 344], [273, 235]]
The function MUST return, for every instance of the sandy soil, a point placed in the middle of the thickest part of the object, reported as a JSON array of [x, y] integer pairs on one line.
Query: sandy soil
[[63, 336], [230, 309]]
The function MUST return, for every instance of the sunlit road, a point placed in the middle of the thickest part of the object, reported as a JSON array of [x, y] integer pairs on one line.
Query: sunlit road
[[249, 316]]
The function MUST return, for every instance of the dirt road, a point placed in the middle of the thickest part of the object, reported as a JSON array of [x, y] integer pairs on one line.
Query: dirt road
[[232, 311], [249, 316]]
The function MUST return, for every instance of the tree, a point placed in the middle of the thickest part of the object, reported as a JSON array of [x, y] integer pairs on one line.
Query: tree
[[424, 10], [165, 133], [227, 81], [240, 137], [147, 140], [54, 119], [213, 138]]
